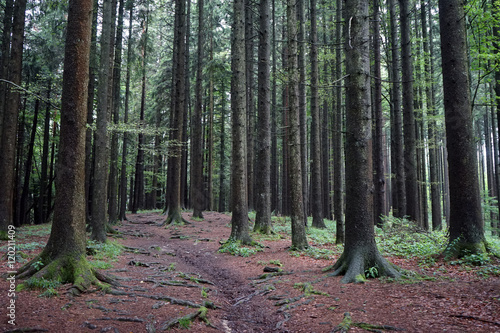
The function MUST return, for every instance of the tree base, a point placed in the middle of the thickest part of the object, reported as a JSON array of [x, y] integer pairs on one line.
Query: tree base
[[354, 264], [459, 248], [74, 269], [174, 217]]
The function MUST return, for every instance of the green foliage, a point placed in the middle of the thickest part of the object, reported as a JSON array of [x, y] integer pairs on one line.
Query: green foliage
[[103, 253], [37, 264], [372, 272], [308, 289], [49, 287], [236, 249], [400, 237], [184, 322], [322, 236]]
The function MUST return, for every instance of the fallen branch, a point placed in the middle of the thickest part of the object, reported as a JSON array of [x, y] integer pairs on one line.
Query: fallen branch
[[477, 318]]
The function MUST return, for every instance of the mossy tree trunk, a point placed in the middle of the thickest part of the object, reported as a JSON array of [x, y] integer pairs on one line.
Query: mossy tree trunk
[[360, 252], [466, 221], [63, 258]]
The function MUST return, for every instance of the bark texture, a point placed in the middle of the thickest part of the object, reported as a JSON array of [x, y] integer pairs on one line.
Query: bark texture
[[466, 222]]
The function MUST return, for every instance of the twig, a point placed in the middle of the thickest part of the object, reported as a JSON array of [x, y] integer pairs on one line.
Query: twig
[[476, 318]]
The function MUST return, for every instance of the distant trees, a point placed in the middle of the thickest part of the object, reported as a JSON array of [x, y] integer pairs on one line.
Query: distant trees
[[288, 101]]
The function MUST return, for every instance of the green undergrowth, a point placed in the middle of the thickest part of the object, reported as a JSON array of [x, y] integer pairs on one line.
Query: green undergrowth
[[49, 287], [102, 255], [235, 248]]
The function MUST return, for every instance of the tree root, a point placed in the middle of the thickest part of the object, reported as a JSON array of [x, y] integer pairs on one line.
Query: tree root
[[172, 300], [186, 320], [69, 268], [174, 217], [355, 263]]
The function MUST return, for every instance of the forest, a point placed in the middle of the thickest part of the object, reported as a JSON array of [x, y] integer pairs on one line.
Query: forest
[[351, 119]]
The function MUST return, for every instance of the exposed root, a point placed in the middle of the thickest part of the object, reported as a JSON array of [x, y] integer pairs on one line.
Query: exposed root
[[73, 269], [27, 330], [347, 323], [186, 320], [174, 217], [355, 263]]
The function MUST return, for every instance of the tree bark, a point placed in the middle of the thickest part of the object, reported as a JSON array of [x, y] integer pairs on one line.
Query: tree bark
[[263, 222], [409, 136], [101, 139], [175, 161], [299, 239], [360, 252], [10, 121], [239, 220], [316, 176], [63, 258], [466, 222], [197, 198]]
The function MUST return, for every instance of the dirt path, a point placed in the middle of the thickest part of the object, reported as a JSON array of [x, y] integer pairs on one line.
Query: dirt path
[[168, 273]]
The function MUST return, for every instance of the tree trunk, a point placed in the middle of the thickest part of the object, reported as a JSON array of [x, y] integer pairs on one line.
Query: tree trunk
[[360, 252], [466, 223], [378, 147], [316, 179], [197, 198], [222, 153], [239, 220], [4, 60], [299, 239], [113, 175], [123, 172], [249, 49], [274, 134], [410, 146], [301, 47], [10, 121], [432, 124], [399, 194], [263, 222], [43, 205], [101, 140], [338, 141], [64, 257], [179, 91]]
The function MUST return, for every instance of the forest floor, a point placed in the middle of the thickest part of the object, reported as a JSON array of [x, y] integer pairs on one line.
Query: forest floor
[[169, 273]]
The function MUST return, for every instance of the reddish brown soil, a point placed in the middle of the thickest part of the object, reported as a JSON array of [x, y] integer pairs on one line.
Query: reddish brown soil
[[458, 301]]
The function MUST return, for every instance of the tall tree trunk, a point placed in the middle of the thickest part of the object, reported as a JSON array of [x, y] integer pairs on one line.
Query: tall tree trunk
[[378, 147], [316, 179], [43, 205], [466, 222], [23, 211], [301, 46], [274, 134], [10, 122], [197, 197], [239, 205], [64, 257], [123, 172], [249, 49], [399, 194], [113, 174], [139, 196], [410, 146], [222, 153], [99, 190], [89, 158], [4, 61], [432, 124], [175, 161], [263, 222], [338, 142], [360, 251], [299, 239]]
